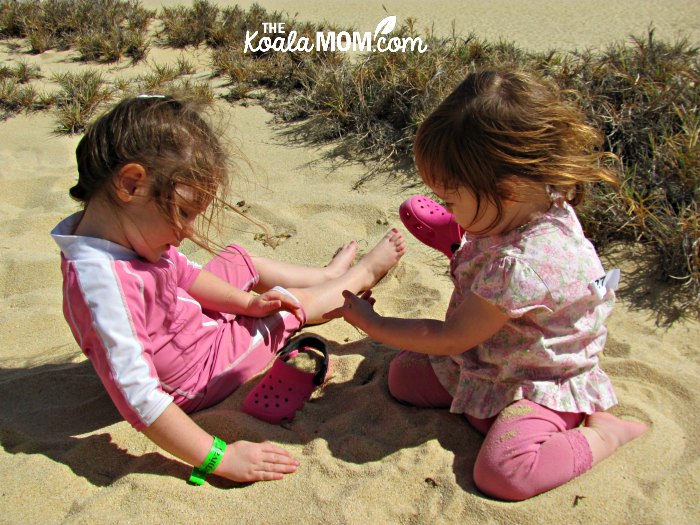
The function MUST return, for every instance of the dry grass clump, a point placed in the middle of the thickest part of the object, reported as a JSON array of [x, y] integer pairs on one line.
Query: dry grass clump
[[377, 102], [206, 23], [82, 94], [224, 30], [16, 92], [78, 98], [103, 30], [644, 97]]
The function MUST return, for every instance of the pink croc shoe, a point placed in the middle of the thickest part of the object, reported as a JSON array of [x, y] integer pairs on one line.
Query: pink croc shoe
[[431, 224], [284, 389]]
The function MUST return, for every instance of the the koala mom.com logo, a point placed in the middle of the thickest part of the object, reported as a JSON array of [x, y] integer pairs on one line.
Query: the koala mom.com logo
[[275, 38]]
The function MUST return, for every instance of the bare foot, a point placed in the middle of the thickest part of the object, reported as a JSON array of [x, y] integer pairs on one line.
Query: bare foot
[[385, 254], [342, 260], [606, 433]]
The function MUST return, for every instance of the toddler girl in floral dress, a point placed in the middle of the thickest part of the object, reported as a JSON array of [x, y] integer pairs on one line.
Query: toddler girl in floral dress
[[517, 353]]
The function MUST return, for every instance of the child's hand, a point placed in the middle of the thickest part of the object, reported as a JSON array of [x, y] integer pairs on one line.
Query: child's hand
[[355, 310], [273, 301], [245, 461]]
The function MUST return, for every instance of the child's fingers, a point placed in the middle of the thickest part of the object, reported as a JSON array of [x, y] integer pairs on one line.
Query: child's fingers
[[337, 313], [272, 305], [259, 461], [353, 301], [270, 447], [286, 300], [279, 463], [293, 307], [295, 310], [278, 300], [298, 313], [275, 462], [349, 296], [367, 296]]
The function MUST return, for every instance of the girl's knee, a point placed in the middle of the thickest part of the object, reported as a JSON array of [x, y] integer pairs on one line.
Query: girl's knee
[[398, 380], [494, 479], [412, 381]]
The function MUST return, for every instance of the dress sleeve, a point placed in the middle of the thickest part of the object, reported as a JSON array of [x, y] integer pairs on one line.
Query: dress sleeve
[[513, 286], [187, 271], [107, 307]]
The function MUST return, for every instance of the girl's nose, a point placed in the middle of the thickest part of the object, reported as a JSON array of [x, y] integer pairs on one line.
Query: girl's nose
[[186, 228]]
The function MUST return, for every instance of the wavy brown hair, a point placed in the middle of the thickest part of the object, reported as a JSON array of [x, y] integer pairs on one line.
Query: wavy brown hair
[[500, 131], [171, 140]]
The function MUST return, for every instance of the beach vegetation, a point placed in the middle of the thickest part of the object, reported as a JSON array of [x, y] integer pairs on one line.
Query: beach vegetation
[[103, 30], [16, 91], [79, 97], [188, 26]]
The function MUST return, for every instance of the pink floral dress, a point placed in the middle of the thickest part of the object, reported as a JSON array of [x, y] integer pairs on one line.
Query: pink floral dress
[[540, 275]]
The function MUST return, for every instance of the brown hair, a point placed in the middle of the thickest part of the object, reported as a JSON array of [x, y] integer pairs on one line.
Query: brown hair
[[499, 131], [170, 139]]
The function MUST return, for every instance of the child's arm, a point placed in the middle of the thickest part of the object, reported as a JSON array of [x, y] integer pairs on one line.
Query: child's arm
[[179, 435], [213, 293], [472, 323]]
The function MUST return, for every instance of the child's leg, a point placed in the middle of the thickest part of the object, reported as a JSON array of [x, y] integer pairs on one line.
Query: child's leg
[[252, 343], [530, 449], [245, 345], [320, 299], [277, 273], [413, 381]]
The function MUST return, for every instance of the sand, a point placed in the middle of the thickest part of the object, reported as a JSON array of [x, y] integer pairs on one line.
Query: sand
[[67, 457]]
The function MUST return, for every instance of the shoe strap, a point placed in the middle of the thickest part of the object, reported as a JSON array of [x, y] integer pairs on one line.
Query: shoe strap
[[309, 341]]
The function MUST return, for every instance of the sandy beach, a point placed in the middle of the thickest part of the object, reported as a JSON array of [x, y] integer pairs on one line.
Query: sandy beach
[[67, 457]]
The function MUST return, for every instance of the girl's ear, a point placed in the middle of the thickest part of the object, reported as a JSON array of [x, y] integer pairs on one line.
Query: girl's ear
[[131, 181]]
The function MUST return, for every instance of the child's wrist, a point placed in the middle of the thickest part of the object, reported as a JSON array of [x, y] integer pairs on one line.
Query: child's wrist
[[371, 324], [224, 468], [210, 464], [249, 306]]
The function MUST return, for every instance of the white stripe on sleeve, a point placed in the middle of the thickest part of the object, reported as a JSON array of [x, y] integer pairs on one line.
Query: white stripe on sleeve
[[120, 338]]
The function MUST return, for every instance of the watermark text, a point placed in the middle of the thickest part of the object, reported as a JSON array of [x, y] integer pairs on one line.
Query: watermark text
[[275, 38]]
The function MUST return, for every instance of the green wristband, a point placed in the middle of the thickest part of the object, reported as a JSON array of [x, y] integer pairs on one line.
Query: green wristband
[[218, 447]]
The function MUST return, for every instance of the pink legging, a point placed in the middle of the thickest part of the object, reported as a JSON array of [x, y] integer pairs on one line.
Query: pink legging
[[528, 449]]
